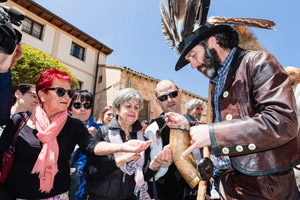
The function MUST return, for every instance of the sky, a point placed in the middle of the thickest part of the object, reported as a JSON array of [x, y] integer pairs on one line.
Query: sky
[[132, 28]]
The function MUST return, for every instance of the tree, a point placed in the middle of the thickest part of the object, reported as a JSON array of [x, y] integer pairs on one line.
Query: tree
[[33, 63]]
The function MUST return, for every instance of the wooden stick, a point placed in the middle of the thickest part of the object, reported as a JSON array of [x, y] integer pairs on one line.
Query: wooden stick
[[206, 151]]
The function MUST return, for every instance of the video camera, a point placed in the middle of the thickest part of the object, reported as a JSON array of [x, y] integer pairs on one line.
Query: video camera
[[9, 36]]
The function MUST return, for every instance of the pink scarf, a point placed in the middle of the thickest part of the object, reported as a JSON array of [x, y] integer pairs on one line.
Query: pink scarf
[[46, 164]]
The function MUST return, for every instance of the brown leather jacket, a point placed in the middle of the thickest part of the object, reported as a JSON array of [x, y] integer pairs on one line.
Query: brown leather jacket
[[260, 129]]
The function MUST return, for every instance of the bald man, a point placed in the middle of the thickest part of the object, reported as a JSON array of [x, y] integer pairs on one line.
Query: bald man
[[169, 183]]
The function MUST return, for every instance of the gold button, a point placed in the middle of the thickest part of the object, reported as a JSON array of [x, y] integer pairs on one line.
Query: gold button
[[225, 94], [228, 117], [251, 146], [239, 148], [225, 150]]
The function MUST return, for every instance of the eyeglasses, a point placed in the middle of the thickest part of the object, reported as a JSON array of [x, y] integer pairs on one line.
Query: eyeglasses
[[33, 95], [77, 105], [61, 91], [164, 97]]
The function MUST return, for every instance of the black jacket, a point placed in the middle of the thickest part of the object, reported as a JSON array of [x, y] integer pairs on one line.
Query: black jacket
[[171, 186], [104, 179]]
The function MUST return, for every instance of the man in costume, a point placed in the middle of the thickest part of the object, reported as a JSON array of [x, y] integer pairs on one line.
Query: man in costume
[[168, 181], [254, 137]]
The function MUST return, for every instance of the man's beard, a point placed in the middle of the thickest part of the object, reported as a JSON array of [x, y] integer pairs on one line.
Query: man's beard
[[211, 70]]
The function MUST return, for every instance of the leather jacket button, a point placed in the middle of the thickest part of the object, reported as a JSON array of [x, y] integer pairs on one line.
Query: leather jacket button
[[239, 148], [225, 94], [228, 117], [225, 150], [251, 146]]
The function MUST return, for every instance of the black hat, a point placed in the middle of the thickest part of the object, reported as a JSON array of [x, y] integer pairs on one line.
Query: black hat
[[205, 31]]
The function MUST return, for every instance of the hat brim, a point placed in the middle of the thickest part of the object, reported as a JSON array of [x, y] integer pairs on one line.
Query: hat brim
[[199, 35]]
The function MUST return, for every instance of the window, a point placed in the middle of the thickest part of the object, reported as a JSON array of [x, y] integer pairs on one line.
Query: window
[[100, 79], [33, 28], [144, 113], [80, 84], [77, 51]]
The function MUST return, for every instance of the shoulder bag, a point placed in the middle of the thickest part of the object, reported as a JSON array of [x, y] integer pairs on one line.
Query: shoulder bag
[[8, 156]]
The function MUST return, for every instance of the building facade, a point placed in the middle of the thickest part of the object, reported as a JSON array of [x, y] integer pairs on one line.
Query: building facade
[[45, 31], [114, 78], [86, 58]]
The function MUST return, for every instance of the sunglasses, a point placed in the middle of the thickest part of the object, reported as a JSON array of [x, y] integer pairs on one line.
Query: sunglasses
[[61, 91], [77, 105], [164, 97], [33, 95]]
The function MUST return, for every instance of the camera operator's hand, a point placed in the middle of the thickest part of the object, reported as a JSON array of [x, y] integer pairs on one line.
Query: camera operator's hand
[[8, 61]]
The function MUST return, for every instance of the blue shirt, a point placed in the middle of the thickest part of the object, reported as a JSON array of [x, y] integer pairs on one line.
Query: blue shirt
[[221, 162], [81, 161]]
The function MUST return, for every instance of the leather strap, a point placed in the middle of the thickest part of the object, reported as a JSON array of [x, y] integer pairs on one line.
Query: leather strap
[[23, 122]]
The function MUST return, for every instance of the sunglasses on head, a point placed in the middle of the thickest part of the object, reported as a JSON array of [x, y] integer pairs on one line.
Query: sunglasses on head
[[77, 105], [61, 91], [164, 97]]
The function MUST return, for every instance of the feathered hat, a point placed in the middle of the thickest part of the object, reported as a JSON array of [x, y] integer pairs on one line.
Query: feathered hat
[[184, 24]]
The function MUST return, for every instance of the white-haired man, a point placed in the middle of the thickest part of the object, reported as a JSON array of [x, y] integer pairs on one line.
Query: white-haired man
[[194, 108]]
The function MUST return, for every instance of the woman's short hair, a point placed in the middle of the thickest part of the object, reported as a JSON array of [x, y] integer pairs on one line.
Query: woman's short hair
[[125, 95], [82, 95], [23, 88], [46, 78], [103, 111]]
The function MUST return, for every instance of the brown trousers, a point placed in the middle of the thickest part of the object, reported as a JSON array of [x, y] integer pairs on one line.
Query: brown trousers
[[279, 186]]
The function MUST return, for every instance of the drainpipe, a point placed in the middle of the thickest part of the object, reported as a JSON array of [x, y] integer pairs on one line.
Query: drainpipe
[[96, 77]]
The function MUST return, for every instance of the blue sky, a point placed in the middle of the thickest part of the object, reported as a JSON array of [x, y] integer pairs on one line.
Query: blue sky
[[132, 28]]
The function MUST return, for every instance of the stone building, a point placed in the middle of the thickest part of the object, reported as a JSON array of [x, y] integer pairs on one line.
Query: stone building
[[114, 78]]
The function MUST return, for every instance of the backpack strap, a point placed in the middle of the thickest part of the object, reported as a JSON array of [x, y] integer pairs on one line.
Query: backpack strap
[[102, 133]]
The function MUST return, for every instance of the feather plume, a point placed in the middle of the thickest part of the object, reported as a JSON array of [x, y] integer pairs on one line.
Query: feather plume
[[202, 16], [180, 18], [192, 13], [258, 23], [167, 26]]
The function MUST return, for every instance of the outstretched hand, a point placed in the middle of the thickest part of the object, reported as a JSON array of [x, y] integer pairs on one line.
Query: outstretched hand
[[127, 157], [135, 146], [175, 118], [162, 157], [199, 138]]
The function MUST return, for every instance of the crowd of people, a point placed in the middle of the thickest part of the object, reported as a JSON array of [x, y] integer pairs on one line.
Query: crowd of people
[[62, 152]]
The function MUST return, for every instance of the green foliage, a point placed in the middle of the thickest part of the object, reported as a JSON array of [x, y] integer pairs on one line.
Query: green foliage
[[33, 63]]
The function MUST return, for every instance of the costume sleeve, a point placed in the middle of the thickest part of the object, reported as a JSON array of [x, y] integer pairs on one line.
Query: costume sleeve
[[5, 97], [268, 121], [99, 166]]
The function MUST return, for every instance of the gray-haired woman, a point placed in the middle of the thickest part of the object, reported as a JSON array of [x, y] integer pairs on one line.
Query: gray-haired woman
[[119, 176]]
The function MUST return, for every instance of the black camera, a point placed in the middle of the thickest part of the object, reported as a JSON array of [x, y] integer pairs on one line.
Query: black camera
[[9, 36]]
